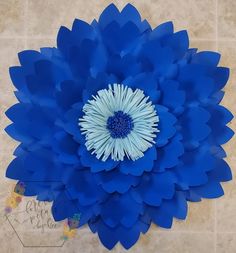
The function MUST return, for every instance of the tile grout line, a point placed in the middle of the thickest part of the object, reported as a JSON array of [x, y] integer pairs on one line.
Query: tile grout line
[[215, 225], [25, 26], [215, 203], [26, 23], [216, 23], [216, 48], [53, 38], [25, 45], [196, 232]]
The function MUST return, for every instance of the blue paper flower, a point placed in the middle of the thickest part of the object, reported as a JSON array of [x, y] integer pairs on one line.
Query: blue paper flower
[[120, 123]]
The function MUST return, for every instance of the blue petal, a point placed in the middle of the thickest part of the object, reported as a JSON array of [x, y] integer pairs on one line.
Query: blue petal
[[63, 207], [195, 81], [99, 60], [179, 42], [194, 126], [96, 165], [81, 58], [110, 14], [107, 235], [65, 147], [64, 40], [86, 214], [93, 85], [176, 207], [46, 196], [122, 67], [47, 76], [31, 122], [156, 58], [220, 116], [192, 196], [67, 39], [137, 167], [193, 171], [165, 125], [150, 87], [172, 97], [115, 181], [169, 155], [220, 76], [35, 188], [206, 58], [27, 59], [161, 217], [19, 134], [70, 123], [70, 93], [37, 168], [48, 52], [127, 237], [121, 209], [81, 185], [221, 172], [118, 39], [162, 30], [81, 30], [16, 112], [189, 55], [16, 170], [129, 13], [44, 165], [210, 190], [194, 72], [18, 78], [156, 187]]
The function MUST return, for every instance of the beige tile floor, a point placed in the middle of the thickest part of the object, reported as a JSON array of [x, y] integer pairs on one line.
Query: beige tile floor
[[211, 225]]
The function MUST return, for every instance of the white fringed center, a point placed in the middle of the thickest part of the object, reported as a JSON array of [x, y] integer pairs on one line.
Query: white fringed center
[[136, 116]]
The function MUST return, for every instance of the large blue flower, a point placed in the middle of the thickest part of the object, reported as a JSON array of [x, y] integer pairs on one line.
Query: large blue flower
[[120, 123]]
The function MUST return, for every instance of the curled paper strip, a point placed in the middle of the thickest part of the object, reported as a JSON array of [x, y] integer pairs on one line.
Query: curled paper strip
[[151, 169]]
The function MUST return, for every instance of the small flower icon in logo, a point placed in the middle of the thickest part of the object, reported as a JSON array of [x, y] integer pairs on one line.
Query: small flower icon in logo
[[19, 188], [74, 221]]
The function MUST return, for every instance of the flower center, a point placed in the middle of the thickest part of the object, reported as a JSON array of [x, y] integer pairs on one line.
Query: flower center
[[120, 125]]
